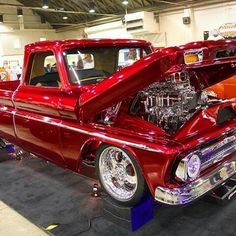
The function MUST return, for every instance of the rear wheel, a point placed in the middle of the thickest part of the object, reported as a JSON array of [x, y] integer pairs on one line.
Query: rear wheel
[[120, 175]]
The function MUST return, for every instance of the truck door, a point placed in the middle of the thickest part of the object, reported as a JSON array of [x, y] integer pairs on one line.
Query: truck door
[[6, 115], [37, 103]]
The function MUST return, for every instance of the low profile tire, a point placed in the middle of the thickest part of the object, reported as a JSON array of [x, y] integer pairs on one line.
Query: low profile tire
[[120, 175]]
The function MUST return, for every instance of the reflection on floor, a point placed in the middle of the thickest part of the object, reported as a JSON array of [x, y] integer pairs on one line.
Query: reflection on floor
[[47, 195]]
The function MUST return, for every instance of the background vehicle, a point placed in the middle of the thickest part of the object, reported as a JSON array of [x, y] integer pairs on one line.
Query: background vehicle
[[225, 89]]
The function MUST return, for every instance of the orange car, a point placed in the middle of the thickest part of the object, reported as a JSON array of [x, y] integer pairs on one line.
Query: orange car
[[225, 89]]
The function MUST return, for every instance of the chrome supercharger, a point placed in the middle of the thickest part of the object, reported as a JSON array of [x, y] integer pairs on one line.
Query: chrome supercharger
[[170, 103]]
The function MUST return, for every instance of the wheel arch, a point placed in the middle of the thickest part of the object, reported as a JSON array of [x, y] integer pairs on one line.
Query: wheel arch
[[134, 154], [93, 141]]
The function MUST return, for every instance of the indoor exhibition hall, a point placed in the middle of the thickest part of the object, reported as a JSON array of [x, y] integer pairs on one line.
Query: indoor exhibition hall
[[117, 118]]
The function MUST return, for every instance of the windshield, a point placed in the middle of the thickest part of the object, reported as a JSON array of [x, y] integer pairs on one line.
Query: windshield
[[92, 65]]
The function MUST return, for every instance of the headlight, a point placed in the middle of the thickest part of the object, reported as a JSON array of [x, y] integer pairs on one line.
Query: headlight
[[193, 166], [189, 168]]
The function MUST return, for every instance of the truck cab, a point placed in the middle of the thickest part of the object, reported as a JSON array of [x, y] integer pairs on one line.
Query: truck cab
[[55, 73]]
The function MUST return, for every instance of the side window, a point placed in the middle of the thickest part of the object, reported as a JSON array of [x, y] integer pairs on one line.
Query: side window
[[127, 56], [43, 70], [81, 61]]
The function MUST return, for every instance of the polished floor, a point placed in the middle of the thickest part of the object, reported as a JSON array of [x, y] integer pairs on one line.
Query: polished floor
[[47, 195]]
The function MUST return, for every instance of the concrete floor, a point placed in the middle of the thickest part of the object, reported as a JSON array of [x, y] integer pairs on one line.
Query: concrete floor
[[12, 223], [46, 195]]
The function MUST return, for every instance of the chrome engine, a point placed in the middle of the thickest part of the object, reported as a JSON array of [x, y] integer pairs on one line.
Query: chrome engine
[[170, 103]]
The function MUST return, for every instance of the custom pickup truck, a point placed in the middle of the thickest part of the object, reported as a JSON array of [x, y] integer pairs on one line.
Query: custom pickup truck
[[141, 120]]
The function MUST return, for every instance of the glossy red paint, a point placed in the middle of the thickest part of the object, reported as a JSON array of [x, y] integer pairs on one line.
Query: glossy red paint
[[59, 124]]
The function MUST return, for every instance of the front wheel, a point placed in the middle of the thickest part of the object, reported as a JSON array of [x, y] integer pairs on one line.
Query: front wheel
[[120, 175]]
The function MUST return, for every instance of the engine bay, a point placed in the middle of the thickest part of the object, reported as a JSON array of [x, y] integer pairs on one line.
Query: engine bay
[[170, 103]]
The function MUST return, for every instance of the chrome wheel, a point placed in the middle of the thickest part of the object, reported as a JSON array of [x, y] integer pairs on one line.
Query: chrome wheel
[[117, 173]]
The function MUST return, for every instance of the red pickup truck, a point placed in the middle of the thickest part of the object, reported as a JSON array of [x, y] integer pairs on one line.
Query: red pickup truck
[[142, 120]]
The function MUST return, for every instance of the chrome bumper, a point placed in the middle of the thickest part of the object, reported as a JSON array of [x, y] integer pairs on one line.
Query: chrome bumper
[[197, 188]]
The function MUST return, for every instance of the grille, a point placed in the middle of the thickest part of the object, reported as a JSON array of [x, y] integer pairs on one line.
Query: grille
[[218, 151]]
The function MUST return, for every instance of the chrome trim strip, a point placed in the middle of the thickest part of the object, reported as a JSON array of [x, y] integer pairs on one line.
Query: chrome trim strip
[[218, 151], [5, 109], [94, 134], [197, 188]]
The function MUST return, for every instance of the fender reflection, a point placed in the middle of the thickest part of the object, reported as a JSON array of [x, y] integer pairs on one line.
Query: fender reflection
[[48, 120], [197, 188]]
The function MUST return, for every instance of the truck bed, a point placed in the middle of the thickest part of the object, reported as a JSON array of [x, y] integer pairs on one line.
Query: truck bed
[[9, 85]]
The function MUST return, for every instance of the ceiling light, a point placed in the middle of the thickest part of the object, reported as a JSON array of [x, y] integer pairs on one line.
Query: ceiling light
[[125, 2], [91, 11], [65, 17], [19, 12], [91, 7], [1, 19], [45, 4]]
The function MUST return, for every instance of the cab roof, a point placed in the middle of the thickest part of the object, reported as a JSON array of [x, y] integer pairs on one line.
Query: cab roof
[[90, 42]]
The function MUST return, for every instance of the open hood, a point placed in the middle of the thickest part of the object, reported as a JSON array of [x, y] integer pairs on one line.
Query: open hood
[[208, 62]]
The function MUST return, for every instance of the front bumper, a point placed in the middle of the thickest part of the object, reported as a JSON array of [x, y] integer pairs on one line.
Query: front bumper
[[197, 188]]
